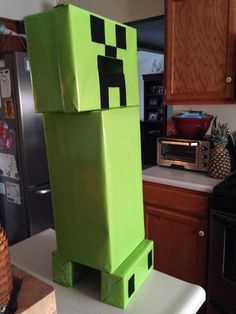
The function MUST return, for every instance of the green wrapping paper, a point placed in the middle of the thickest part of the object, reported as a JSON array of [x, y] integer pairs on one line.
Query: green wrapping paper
[[120, 287], [66, 272], [63, 55], [85, 81], [96, 185], [63, 270]]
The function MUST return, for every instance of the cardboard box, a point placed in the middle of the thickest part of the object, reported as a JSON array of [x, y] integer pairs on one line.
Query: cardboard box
[[96, 180], [72, 60]]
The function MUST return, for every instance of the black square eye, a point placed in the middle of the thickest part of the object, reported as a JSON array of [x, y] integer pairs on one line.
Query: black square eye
[[97, 29], [120, 37], [149, 259], [131, 286]]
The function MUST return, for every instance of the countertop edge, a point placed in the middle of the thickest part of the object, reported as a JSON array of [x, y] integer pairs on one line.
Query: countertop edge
[[191, 180], [179, 184]]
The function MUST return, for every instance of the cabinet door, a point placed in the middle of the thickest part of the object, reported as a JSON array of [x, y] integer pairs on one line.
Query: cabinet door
[[200, 52], [180, 244]]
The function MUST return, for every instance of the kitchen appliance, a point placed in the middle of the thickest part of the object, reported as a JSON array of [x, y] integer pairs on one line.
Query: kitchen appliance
[[232, 150], [183, 153], [149, 134], [222, 249], [155, 113], [25, 197]]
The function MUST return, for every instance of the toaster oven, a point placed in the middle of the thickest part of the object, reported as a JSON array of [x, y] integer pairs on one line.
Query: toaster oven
[[183, 153]]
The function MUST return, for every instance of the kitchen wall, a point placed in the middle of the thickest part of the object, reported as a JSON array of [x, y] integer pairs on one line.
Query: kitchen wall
[[17, 9], [123, 10]]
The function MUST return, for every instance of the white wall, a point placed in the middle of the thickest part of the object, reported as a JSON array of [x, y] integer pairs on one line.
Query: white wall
[[123, 10], [17, 9], [147, 63]]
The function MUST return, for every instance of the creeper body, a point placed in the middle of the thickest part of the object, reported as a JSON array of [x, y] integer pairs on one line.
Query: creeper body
[[84, 72]]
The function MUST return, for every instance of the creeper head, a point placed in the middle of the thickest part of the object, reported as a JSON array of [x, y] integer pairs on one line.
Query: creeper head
[[90, 64]]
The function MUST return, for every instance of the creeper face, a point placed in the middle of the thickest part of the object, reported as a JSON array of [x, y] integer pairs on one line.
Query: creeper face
[[111, 71], [90, 62]]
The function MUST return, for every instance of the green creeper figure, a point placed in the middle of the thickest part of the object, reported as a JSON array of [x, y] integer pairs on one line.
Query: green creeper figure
[[85, 81]]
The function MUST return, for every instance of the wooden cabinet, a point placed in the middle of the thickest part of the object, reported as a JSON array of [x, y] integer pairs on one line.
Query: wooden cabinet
[[200, 51], [176, 220], [9, 43]]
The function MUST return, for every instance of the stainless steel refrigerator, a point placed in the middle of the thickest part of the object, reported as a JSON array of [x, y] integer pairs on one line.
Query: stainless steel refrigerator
[[25, 197]]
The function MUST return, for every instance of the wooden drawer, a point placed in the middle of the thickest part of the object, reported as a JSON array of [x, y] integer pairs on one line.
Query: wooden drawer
[[186, 201]]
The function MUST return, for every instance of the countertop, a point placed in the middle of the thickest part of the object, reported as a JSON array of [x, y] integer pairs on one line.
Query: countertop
[[180, 178], [159, 293]]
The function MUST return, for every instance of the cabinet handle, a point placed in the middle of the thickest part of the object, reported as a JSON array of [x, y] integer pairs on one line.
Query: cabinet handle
[[228, 79], [201, 233]]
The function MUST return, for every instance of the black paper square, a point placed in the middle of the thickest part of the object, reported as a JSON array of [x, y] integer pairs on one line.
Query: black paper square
[[120, 37], [131, 286], [149, 259], [97, 29]]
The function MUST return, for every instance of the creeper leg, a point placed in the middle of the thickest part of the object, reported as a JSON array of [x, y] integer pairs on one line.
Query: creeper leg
[[120, 287], [66, 272]]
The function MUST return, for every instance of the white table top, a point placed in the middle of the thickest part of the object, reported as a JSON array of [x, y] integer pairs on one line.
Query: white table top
[[180, 178], [159, 294]]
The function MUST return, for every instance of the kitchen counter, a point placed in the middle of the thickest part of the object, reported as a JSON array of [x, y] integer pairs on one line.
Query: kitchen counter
[[159, 293], [180, 178]]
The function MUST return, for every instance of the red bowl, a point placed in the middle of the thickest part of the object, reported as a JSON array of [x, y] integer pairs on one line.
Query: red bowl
[[192, 128]]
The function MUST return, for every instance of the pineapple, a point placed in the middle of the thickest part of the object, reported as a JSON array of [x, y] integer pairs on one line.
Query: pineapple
[[6, 281], [219, 160]]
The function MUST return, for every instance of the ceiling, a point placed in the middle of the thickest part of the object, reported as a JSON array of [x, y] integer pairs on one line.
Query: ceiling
[[150, 33]]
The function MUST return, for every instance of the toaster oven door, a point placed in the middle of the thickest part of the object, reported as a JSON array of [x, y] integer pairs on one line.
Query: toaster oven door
[[180, 153]]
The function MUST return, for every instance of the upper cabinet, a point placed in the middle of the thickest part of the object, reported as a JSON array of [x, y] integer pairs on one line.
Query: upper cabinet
[[200, 51]]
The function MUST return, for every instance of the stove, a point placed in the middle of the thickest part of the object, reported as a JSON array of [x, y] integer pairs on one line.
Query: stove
[[224, 196], [222, 249]]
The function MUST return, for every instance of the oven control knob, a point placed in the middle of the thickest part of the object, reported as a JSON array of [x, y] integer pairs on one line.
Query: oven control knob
[[204, 156], [204, 164], [201, 233], [204, 147]]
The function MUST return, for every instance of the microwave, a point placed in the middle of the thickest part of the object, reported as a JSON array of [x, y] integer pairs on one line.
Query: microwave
[[183, 153]]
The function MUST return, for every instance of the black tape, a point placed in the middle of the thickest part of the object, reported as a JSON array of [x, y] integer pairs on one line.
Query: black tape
[[110, 51], [120, 37], [131, 286], [97, 29], [150, 259], [111, 75]]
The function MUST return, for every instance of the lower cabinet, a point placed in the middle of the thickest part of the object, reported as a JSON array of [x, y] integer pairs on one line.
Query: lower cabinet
[[176, 220]]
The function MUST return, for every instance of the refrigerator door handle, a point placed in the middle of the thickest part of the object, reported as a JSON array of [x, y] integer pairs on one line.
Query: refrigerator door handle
[[43, 191]]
